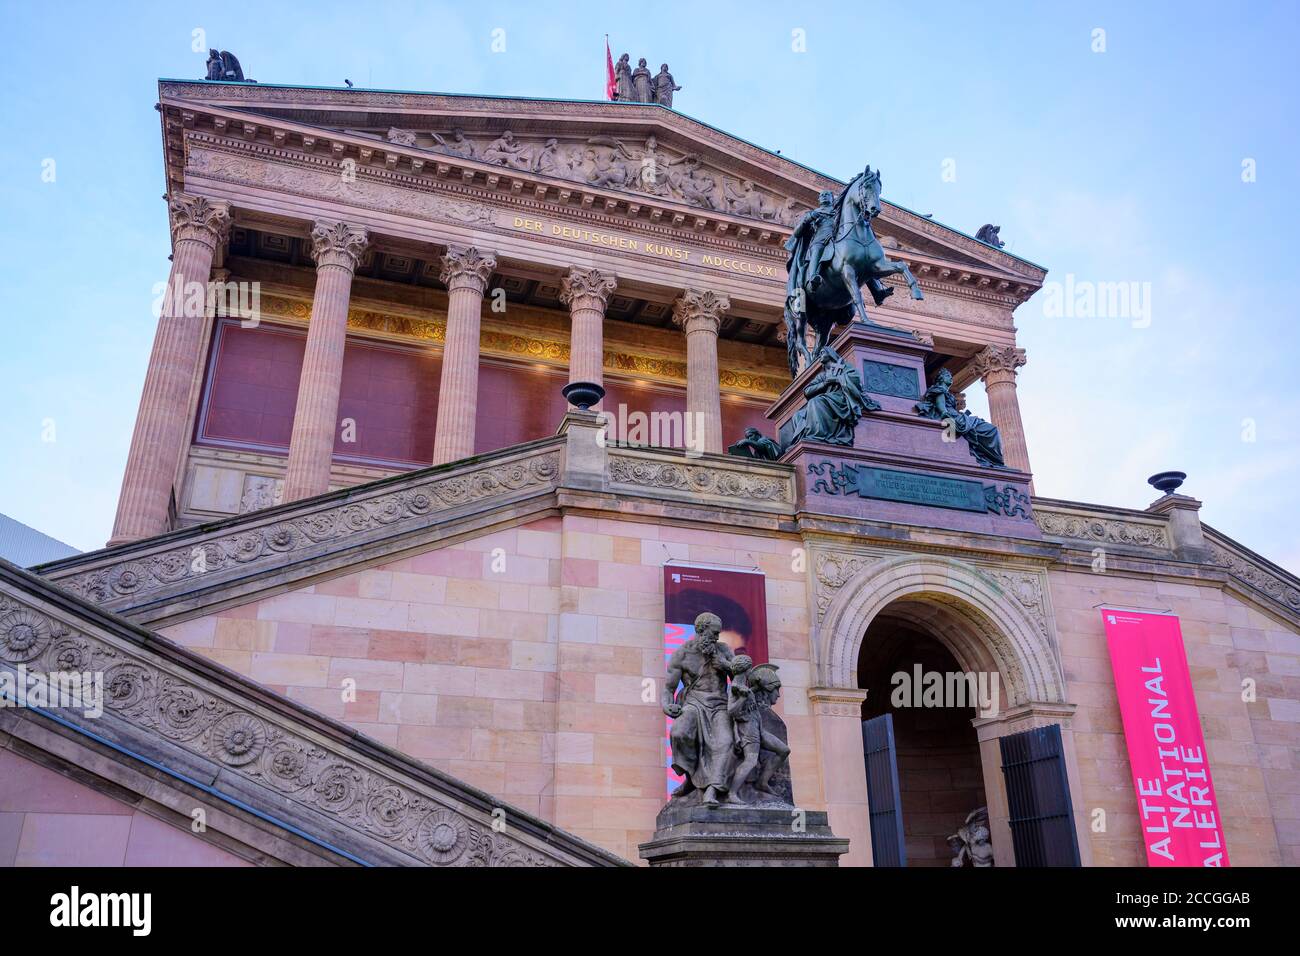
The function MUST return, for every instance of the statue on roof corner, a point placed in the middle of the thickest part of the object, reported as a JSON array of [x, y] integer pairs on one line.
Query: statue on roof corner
[[664, 87], [833, 253], [989, 233], [224, 65]]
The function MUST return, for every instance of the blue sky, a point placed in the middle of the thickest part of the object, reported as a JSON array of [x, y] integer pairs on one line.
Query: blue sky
[[1117, 166]]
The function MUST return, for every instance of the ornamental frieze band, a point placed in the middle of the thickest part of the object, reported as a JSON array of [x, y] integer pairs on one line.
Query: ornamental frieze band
[[267, 751]]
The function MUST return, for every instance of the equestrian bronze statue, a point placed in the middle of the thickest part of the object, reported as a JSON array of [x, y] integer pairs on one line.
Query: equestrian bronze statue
[[833, 251]]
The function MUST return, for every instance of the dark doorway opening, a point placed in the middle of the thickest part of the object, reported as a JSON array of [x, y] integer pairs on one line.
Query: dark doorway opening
[[940, 776]]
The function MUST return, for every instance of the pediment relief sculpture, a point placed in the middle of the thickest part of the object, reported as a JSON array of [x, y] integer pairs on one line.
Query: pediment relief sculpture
[[641, 166]]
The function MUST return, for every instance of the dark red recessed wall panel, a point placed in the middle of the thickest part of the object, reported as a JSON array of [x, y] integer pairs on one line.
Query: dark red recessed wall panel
[[252, 386], [517, 403], [391, 393]]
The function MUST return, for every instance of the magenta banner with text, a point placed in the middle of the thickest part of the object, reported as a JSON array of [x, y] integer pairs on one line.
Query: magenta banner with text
[[1177, 808]]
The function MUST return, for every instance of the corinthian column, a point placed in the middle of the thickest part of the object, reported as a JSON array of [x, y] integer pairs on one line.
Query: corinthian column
[[199, 226], [586, 292], [996, 366], [465, 270], [337, 248], [700, 315]]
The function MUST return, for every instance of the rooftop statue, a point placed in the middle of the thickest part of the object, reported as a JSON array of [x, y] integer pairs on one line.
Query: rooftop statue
[[989, 233], [833, 251], [664, 87], [642, 83], [223, 65], [623, 80], [640, 86], [983, 437]]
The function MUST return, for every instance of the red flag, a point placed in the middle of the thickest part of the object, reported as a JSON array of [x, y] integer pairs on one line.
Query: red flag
[[611, 85]]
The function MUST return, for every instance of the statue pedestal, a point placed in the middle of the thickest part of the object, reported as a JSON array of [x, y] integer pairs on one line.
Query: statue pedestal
[[901, 468], [742, 836]]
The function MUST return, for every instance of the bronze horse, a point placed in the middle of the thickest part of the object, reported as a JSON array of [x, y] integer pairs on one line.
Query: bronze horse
[[853, 257]]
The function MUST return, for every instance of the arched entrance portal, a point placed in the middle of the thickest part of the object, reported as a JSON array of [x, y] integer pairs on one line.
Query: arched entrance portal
[[882, 612], [912, 676]]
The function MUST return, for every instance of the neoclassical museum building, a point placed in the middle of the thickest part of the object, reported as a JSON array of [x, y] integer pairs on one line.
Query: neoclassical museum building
[[378, 594]]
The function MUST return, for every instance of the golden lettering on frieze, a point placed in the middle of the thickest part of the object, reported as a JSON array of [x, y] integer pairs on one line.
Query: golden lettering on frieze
[[658, 250], [509, 345]]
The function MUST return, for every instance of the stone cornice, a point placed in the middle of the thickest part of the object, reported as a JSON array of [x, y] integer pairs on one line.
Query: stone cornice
[[1095, 525], [306, 769], [724, 481], [1253, 575], [970, 261], [460, 202]]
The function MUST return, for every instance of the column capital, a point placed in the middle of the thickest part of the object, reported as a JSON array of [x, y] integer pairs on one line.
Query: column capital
[[199, 218], [700, 310], [582, 284], [338, 244], [837, 701], [998, 362], [467, 267]]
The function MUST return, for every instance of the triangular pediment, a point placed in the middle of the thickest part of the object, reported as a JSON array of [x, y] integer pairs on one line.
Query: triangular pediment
[[652, 155]]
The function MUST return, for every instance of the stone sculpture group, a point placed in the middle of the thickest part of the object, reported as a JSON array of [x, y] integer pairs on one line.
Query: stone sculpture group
[[726, 740], [638, 86]]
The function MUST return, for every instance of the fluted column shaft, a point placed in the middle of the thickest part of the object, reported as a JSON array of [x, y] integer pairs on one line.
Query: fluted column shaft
[[699, 314], [997, 368], [199, 228], [586, 292], [466, 271], [337, 248]]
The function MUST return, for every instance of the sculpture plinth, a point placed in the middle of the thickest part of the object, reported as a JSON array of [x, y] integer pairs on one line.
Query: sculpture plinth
[[897, 465], [742, 836]]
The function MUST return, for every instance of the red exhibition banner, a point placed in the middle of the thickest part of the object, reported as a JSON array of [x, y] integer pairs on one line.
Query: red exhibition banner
[[737, 595], [1179, 812]]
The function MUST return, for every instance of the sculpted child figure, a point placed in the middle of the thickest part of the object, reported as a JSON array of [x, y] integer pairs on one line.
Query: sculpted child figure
[[753, 690]]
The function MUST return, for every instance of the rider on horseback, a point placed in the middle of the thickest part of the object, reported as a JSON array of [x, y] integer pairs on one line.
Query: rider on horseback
[[808, 242]]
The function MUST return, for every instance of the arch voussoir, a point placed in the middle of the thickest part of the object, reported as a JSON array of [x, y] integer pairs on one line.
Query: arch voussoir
[[990, 628]]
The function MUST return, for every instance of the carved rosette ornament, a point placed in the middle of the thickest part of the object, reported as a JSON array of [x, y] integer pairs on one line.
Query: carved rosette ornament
[[700, 310], [308, 773], [264, 547], [997, 363], [338, 244], [466, 267], [199, 219], [587, 288]]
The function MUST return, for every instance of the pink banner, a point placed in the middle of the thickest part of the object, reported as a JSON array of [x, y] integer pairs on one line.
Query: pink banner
[[1179, 813]]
